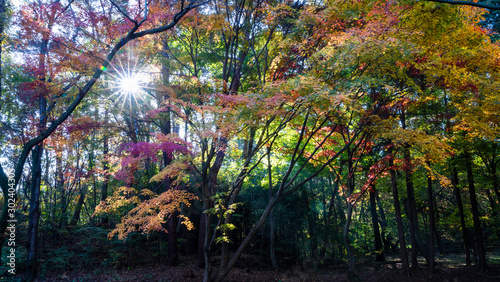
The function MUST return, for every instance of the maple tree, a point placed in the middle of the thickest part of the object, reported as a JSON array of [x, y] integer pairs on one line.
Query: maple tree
[[38, 22]]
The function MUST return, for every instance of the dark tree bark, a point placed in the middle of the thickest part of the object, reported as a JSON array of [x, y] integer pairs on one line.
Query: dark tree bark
[[272, 224], [399, 221], [201, 241], [383, 222], [105, 168], [34, 215], [432, 224], [415, 237], [78, 209], [469, 3], [350, 205], [475, 213], [379, 247], [458, 197], [173, 250], [60, 188]]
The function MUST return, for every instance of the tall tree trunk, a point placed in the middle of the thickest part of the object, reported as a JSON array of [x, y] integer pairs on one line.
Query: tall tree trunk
[[209, 183], [60, 188], [436, 230], [350, 206], [331, 208], [34, 215], [458, 197], [201, 240], [272, 224], [379, 247], [495, 180], [410, 194], [350, 252], [415, 237], [4, 183], [4, 179], [382, 221], [173, 252], [105, 168], [432, 224], [399, 221], [475, 213]]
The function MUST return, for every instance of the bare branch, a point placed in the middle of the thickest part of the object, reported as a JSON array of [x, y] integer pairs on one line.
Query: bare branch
[[468, 3], [175, 20], [124, 13]]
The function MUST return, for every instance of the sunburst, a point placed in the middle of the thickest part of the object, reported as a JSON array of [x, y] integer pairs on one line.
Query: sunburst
[[129, 79]]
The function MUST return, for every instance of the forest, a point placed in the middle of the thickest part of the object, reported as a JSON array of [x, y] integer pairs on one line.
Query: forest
[[249, 140]]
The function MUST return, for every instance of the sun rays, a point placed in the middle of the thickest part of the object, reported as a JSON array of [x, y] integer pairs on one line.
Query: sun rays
[[129, 80]]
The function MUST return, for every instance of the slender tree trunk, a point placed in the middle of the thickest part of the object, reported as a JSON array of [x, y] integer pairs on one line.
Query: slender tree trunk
[[3, 16], [272, 224], [4, 183], [3, 177], [399, 221], [458, 197], [60, 188], [34, 215], [415, 237], [209, 184], [350, 206], [495, 180], [432, 224], [350, 252], [379, 247], [410, 194], [475, 213], [105, 168], [173, 252], [78, 209], [436, 230], [331, 208], [382, 221], [493, 171], [201, 240]]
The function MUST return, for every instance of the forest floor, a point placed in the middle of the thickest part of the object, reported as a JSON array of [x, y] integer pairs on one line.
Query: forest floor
[[448, 269]]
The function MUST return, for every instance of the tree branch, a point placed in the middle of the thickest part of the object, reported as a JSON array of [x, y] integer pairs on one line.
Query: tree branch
[[122, 12], [468, 3], [176, 19]]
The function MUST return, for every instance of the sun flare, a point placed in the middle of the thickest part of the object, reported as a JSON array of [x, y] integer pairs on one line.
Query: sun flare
[[131, 84], [129, 80]]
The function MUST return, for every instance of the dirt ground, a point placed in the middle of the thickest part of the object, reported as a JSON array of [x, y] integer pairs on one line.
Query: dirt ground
[[386, 272]]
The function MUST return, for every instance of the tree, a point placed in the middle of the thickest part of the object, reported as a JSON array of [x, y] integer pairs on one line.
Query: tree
[[50, 91]]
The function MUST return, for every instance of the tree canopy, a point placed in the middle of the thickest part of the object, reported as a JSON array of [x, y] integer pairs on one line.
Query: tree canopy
[[300, 132]]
